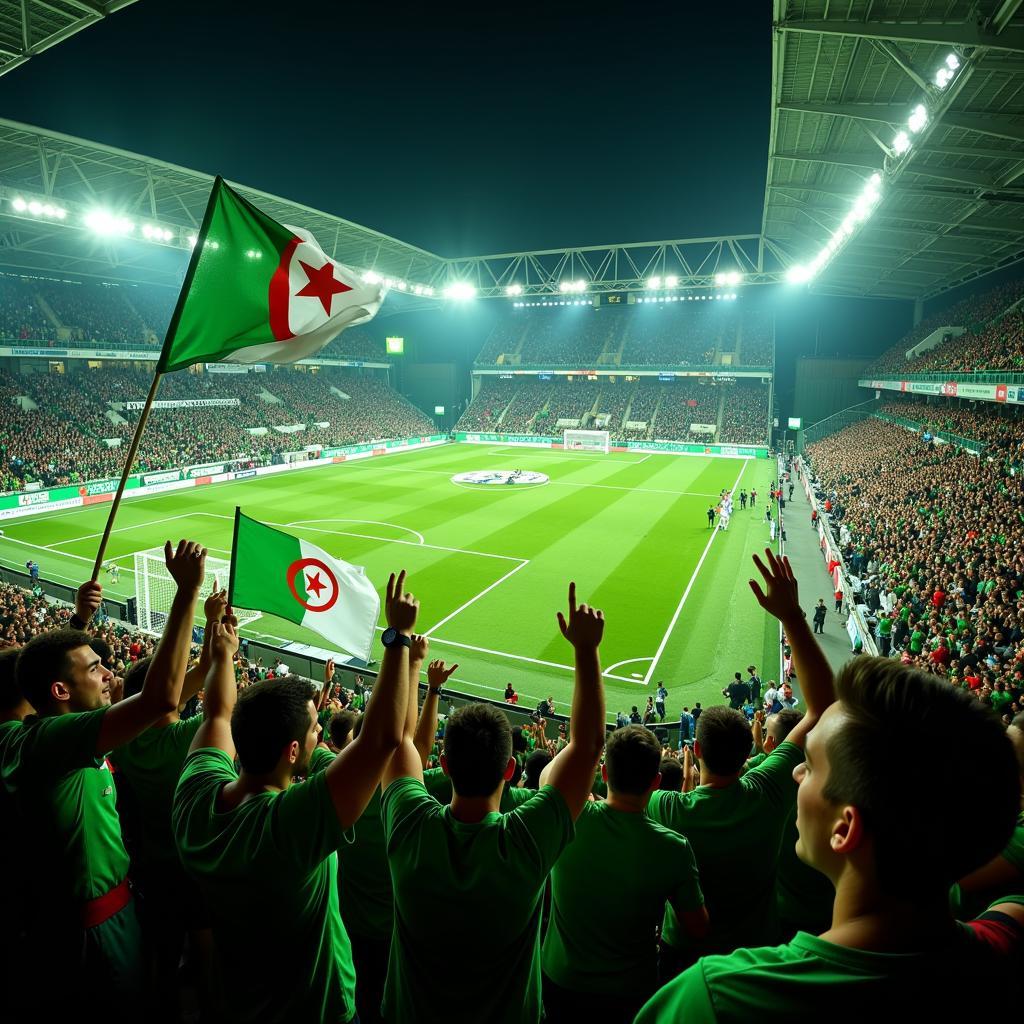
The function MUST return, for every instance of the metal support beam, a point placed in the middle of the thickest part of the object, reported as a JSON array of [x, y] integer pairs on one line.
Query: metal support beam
[[965, 34]]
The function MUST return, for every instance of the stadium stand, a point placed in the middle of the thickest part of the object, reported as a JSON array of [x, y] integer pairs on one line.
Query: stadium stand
[[669, 334], [989, 342], [60, 440]]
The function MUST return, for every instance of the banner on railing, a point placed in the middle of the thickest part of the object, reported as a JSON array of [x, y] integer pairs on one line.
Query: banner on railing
[[950, 389], [185, 403]]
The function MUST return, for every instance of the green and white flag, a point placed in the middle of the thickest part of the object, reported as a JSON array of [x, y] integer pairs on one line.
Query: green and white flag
[[276, 573], [260, 292]]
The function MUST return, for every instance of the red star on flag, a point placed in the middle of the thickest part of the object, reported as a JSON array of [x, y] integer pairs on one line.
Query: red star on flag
[[322, 284], [314, 584]]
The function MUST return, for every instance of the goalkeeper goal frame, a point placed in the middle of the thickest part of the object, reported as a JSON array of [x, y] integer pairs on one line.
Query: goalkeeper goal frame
[[586, 441], [155, 589]]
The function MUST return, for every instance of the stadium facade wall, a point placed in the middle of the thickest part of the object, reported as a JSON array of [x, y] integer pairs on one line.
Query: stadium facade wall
[[998, 392], [725, 451], [95, 492]]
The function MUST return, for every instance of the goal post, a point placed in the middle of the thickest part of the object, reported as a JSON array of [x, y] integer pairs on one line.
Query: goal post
[[155, 589], [586, 441]]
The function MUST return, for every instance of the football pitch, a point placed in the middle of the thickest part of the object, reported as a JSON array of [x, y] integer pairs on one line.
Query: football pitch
[[490, 564]]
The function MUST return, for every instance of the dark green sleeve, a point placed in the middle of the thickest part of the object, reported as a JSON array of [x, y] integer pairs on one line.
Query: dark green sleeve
[[320, 760], [309, 828], [402, 804], [541, 828], [55, 746], [513, 796], [686, 998], [438, 785], [773, 778]]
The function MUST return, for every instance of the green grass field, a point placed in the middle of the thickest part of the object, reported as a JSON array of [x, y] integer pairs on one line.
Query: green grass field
[[490, 565]]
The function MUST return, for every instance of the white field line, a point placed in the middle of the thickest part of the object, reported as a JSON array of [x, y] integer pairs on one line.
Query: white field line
[[368, 522], [686, 593], [472, 600], [121, 529], [628, 661]]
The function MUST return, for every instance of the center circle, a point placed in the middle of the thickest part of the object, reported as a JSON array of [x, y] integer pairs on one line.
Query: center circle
[[501, 478]]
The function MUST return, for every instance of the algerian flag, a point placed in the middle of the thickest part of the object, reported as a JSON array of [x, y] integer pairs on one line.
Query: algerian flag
[[279, 574], [259, 292]]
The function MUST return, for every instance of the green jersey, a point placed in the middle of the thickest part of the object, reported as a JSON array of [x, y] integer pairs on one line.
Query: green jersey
[[607, 944], [811, 979], [67, 804], [735, 834], [483, 884], [268, 871], [151, 765], [916, 641]]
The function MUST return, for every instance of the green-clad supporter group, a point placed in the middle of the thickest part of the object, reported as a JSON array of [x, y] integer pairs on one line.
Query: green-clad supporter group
[[200, 837]]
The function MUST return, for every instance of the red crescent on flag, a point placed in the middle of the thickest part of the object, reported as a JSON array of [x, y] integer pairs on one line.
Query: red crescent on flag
[[304, 563], [279, 293]]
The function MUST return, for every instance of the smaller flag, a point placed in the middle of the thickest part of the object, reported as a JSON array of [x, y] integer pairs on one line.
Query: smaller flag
[[260, 292], [282, 575]]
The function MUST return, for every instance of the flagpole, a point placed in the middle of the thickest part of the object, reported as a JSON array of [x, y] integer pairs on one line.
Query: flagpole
[[161, 366], [125, 473]]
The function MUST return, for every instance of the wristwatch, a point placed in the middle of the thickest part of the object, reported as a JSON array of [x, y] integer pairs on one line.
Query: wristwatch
[[392, 638], [435, 690]]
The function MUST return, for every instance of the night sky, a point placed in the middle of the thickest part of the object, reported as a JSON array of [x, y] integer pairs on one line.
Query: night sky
[[530, 126]]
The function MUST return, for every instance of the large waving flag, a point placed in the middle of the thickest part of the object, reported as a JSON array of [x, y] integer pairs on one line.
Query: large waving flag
[[279, 574], [260, 292]]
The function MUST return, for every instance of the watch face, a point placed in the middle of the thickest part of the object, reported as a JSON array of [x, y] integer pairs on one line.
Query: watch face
[[388, 636]]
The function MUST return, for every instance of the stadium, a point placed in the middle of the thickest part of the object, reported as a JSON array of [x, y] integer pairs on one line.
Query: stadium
[[783, 461]]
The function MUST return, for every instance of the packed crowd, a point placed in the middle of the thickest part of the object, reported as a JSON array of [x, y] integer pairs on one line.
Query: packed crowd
[[658, 334], [21, 318], [801, 863], [996, 347], [61, 441], [934, 539], [668, 408], [997, 425], [745, 414]]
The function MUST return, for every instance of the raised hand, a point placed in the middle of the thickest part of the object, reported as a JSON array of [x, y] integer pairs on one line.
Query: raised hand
[[186, 564], [420, 648], [400, 608], [438, 673], [779, 597], [87, 600], [216, 604], [223, 641], [584, 626], [329, 672]]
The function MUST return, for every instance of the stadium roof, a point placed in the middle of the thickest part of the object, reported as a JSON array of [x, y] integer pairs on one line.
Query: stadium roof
[[28, 27], [845, 79]]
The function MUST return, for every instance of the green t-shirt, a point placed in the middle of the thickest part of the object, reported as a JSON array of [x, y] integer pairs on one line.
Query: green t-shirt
[[67, 804], [483, 884], [811, 979], [735, 833], [608, 893], [151, 765], [916, 641], [268, 871], [885, 626], [753, 761]]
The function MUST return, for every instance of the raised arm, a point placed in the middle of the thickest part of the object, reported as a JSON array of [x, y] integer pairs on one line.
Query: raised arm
[[426, 727], [214, 609], [325, 690], [355, 773], [780, 598], [221, 690], [571, 772], [162, 689], [417, 655], [758, 732]]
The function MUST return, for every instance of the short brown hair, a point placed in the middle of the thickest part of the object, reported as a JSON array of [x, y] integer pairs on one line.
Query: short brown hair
[[930, 821]]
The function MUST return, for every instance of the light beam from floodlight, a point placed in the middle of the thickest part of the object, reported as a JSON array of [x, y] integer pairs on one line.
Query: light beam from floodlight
[[460, 291]]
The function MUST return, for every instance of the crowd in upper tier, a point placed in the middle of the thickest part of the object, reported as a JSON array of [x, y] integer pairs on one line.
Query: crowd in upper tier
[[683, 409], [992, 338], [650, 334], [56, 426]]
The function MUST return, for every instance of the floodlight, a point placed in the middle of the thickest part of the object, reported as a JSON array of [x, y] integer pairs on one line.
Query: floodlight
[[461, 291], [19, 204], [875, 179], [654, 282], [192, 239], [428, 290], [952, 61], [918, 119], [798, 274], [35, 208], [402, 286], [901, 143], [513, 289], [943, 77], [103, 222], [671, 281], [371, 277]]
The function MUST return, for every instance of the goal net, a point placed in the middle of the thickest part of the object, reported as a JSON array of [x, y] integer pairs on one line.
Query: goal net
[[586, 440], [155, 589]]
